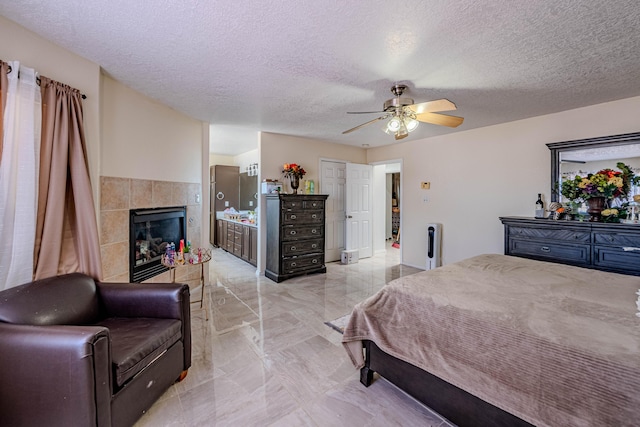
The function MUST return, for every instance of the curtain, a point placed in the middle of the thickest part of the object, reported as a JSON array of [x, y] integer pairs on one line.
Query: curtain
[[66, 232], [4, 82], [19, 175]]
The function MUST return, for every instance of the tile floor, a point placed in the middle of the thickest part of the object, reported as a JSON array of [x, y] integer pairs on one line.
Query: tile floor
[[266, 358]]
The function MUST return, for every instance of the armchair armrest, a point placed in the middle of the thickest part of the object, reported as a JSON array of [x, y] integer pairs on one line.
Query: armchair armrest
[[54, 375]]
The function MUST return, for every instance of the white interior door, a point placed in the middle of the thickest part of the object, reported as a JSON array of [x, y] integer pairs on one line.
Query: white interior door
[[333, 183], [359, 194]]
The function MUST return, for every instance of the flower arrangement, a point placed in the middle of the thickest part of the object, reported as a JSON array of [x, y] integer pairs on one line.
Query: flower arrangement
[[610, 215], [606, 183], [291, 169]]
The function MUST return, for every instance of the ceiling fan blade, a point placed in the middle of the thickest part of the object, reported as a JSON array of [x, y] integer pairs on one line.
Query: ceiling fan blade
[[364, 112], [440, 119], [367, 123], [432, 106]]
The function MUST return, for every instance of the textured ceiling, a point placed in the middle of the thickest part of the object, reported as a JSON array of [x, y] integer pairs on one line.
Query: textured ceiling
[[296, 67]]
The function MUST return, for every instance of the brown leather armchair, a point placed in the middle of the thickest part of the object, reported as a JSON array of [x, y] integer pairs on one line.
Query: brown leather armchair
[[76, 352]]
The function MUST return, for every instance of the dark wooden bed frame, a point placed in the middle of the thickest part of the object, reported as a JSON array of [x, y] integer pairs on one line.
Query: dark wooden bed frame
[[456, 405]]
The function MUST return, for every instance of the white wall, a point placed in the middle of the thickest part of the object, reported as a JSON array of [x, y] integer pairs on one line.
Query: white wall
[[245, 159], [479, 175]]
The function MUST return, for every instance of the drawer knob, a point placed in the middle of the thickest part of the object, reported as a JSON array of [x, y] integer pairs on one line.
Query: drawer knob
[[293, 232], [314, 231], [293, 264], [293, 248], [314, 216], [545, 249], [293, 217], [315, 245], [315, 261]]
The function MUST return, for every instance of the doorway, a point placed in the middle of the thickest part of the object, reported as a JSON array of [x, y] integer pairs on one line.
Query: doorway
[[388, 206], [333, 181]]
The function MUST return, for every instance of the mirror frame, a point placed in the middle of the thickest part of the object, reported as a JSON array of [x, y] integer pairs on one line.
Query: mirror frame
[[580, 144]]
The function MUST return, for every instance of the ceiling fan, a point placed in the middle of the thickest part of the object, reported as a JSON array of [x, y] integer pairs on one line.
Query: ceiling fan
[[405, 115]]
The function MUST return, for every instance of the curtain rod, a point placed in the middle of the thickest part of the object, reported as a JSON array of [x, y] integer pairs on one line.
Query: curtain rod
[[38, 81]]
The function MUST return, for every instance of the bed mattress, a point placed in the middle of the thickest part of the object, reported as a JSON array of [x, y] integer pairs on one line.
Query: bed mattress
[[552, 344]]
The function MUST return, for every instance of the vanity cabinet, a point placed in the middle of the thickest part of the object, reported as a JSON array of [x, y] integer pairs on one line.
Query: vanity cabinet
[[253, 241], [238, 239], [221, 234], [601, 246], [295, 235]]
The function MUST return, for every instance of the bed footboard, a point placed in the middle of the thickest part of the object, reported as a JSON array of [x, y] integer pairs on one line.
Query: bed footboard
[[454, 404]]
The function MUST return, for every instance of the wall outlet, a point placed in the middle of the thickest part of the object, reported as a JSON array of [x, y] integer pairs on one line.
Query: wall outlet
[[197, 198], [425, 185], [250, 202], [226, 204]]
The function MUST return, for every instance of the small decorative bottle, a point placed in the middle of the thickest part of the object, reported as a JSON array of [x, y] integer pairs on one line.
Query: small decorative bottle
[[539, 207]]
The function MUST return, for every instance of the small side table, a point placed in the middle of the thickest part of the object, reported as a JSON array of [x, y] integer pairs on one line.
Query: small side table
[[206, 257]]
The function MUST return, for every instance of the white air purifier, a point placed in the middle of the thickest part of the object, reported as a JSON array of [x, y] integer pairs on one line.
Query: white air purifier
[[434, 246]]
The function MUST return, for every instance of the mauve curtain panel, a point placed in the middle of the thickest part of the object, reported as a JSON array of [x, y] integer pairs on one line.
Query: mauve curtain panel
[[66, 229]]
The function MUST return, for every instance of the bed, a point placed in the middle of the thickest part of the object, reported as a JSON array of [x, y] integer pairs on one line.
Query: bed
[[501, 340]]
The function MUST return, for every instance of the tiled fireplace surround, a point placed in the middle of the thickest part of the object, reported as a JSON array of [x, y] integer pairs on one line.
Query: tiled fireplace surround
[[117, 197]]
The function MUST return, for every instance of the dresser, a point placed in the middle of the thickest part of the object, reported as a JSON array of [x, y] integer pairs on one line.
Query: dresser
[[295, 235], [601, 246]]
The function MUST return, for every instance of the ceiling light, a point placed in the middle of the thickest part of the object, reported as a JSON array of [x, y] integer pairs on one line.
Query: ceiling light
[[402, 132], [411, 123], [394, 124]]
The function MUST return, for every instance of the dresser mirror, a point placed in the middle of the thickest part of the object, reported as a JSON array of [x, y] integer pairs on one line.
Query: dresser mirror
[[584, 156]]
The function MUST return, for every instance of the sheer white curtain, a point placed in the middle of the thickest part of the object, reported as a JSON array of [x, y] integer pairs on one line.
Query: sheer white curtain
[[19, 176]]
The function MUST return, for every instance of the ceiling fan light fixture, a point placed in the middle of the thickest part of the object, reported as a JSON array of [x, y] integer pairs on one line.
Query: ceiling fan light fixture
[[394, 124], [411, 123], [404, 115], [402, 131]]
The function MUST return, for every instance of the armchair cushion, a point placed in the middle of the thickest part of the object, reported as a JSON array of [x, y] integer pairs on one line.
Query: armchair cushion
[[135, 343]]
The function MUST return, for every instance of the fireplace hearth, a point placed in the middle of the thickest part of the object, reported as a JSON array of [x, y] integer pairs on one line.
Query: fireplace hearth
[[150, 231]]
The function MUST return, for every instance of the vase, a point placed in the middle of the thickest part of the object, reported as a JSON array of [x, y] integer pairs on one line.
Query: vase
[[595, 206], [295, 183]]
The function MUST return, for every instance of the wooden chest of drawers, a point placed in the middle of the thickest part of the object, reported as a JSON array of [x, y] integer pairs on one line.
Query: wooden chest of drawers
[[295, 235], [608, 247]]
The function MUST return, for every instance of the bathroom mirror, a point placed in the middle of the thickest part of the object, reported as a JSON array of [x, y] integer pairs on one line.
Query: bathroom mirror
[[248, 192], [584, 156]]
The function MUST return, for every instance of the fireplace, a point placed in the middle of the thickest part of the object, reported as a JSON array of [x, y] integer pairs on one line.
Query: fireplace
[[150, 231]]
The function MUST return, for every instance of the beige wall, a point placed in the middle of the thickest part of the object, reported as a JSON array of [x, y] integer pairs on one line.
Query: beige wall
[[59, 64], [153, 156], [219, 159], [275, 150], [121, 127], [144, 139], [478, 175]]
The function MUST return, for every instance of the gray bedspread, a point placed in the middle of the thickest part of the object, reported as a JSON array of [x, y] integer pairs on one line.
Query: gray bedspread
[[552, 344]]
